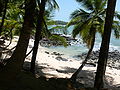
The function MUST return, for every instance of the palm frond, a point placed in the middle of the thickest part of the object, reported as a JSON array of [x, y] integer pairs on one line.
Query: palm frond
[[58, 29], [51, 22], [116, 28], [87, 37], [52, 4], [117, 15], [117, 33], [87, 4], [99, 5], [59, 39], [74, 21], [56, 6], [76, 30], [80, 13], [82, 28]]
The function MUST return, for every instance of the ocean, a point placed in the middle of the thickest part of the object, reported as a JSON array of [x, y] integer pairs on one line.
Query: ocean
[[77, 48]]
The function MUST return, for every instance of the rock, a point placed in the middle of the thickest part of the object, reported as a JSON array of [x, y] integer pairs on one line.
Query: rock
[[55, 53], [61, 59], [91, 64], [47, 52], [113, 58], [48, 42]]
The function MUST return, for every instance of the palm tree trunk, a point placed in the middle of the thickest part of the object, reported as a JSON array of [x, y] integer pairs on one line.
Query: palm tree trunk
[[74, 76], [14, 66], [38, 35], [1, 7], [103, 55], [3, 18]]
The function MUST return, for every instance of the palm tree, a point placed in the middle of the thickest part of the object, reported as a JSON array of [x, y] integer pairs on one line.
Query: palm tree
[[40, 23], [13, 19], [87, 23], [38, 35], [1, 6], [14, 66], [103, 55], [3, 17]]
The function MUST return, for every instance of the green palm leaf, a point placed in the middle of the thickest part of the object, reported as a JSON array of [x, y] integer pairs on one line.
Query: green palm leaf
[[87, 4], [59, 39]]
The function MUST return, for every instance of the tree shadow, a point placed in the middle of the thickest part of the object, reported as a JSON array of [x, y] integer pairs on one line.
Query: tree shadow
[[85, 77], [66, 70], [39, 69]]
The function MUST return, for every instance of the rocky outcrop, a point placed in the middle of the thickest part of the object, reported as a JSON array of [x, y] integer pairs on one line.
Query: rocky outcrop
[[113, 58], [47, 42]]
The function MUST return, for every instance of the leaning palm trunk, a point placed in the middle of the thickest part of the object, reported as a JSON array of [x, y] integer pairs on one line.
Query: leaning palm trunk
[[14, 66], [3, 18], [103, 55], [74, 76], [38, 35]]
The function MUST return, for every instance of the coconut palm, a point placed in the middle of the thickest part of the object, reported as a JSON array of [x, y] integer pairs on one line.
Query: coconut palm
[[1, 6], [89, 21], [103, 55], [3, 17], [40, 23], [12, 13], [14, 66]]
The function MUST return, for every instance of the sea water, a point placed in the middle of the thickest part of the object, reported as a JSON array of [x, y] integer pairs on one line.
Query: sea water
[[77, 48]]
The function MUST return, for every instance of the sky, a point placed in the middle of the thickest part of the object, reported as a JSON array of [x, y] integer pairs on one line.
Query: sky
[[68, 6]]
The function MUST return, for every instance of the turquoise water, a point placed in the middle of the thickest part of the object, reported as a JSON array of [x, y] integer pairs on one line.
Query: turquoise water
[[77, 48], [69, 51]]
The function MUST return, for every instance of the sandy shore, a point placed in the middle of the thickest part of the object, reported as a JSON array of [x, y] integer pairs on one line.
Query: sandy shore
[[52, 65]]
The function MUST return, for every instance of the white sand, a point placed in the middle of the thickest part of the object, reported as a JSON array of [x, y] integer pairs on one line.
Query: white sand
[[51, 67]]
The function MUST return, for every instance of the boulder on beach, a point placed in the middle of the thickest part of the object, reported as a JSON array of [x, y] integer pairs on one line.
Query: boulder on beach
[[113, 58]]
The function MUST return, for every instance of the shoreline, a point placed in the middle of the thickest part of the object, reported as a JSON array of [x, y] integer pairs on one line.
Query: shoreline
[[51, 64]]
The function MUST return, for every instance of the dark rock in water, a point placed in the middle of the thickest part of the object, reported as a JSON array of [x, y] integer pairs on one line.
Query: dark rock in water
[[113, 58], [61, 59], [56, 53], [48, 42]]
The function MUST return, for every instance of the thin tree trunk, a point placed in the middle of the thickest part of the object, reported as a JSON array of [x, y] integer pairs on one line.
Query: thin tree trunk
[[74, 76], [38, 35], [3, 17], [103, 55], [14, 66], [1, 7]]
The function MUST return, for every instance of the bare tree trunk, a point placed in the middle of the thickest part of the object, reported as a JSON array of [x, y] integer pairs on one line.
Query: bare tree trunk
[[3, 17], [1, 7], [14, 66], [103, 55], [74, 76], [38, 35]]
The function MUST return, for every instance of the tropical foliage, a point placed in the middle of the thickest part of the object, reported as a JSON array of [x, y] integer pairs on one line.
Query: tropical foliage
[[34, 17], [90, 20]]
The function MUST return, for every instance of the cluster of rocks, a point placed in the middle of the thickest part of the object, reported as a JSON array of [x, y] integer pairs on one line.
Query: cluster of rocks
[[58, 56], [113, 58], [48, 42]]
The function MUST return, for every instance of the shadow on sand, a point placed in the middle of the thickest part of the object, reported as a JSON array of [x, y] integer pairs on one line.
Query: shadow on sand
[[84, 79]]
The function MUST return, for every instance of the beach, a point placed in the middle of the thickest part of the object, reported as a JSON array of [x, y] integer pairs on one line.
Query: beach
[[53, 64]]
